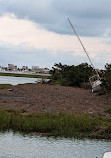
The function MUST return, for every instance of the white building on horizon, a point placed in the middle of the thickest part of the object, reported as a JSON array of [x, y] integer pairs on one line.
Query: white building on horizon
[[12, 67], [36, 69]]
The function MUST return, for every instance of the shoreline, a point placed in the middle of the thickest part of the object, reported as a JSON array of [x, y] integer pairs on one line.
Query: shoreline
[[56, 110], [44, 76]]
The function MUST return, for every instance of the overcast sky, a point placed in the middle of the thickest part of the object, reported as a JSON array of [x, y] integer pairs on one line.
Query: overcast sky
[[37, 32]]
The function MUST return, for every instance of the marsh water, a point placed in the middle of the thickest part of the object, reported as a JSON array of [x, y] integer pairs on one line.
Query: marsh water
[[15, 145], [17, 80]]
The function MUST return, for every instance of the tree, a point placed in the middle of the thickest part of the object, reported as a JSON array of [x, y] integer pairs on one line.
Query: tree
[[107, 78], [71, 75]]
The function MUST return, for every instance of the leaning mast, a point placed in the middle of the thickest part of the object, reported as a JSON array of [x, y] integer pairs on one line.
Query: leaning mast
[[84, 48]]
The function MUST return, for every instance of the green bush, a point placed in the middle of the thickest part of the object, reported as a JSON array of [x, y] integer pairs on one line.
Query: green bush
[[107, 78], [71, 75]]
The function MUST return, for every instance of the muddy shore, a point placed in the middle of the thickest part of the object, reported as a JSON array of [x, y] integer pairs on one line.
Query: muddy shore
[[53, 98]]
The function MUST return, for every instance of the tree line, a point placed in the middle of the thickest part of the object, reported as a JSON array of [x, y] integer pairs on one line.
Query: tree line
[[74, 76]]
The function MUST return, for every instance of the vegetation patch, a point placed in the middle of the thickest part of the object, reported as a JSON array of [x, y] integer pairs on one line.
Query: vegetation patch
[[2, 86], [107, 78], [24, 75], [58, 124], [108, 110], [71, 75], [78, 76]]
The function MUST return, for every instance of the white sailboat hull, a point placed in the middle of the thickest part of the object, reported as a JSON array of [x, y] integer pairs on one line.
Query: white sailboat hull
[[96, 86]]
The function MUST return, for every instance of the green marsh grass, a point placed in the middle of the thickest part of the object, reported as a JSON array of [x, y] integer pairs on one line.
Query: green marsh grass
[[59, 124], [2, 86], [25, 75]]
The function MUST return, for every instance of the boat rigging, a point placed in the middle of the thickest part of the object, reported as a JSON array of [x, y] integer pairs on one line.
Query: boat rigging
[[95, 80]]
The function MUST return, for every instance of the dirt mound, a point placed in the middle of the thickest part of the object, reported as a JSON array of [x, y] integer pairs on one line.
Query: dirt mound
[[53, 98]]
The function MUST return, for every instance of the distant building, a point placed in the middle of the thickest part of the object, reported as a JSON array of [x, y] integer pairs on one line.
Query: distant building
[[12, 67], [36, 69], [46, 70], [24, 67]]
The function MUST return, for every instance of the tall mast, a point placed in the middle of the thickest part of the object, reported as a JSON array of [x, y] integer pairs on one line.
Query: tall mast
[[83, 48]]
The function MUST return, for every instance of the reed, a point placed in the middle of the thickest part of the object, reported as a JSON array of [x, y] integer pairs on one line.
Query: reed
[[59, 124]]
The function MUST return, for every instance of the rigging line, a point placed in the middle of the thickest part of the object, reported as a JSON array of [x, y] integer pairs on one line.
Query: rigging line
[[83, 47]]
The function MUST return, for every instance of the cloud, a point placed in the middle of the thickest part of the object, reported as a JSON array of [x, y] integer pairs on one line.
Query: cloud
[[28, 34], [36, 10], [90, 18], [42, 58], [25, 42]]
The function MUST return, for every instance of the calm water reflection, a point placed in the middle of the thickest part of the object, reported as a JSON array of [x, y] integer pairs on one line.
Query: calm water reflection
[[16, 80], [33, 146]]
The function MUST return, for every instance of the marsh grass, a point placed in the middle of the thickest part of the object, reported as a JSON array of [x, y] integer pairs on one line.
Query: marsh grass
[[2, 86], [25, 75], [108, 110], [59, 124]]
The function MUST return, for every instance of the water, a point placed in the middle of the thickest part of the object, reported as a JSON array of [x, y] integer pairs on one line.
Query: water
[[17, 80], [35, 146]]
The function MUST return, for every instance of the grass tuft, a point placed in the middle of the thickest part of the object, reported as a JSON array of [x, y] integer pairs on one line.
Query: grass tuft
[[108, 110]]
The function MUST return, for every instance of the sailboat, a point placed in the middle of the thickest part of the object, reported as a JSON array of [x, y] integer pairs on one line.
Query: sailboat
[[95, 80]]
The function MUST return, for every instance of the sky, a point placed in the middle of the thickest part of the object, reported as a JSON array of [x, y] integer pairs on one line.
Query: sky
[[38, 32]]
